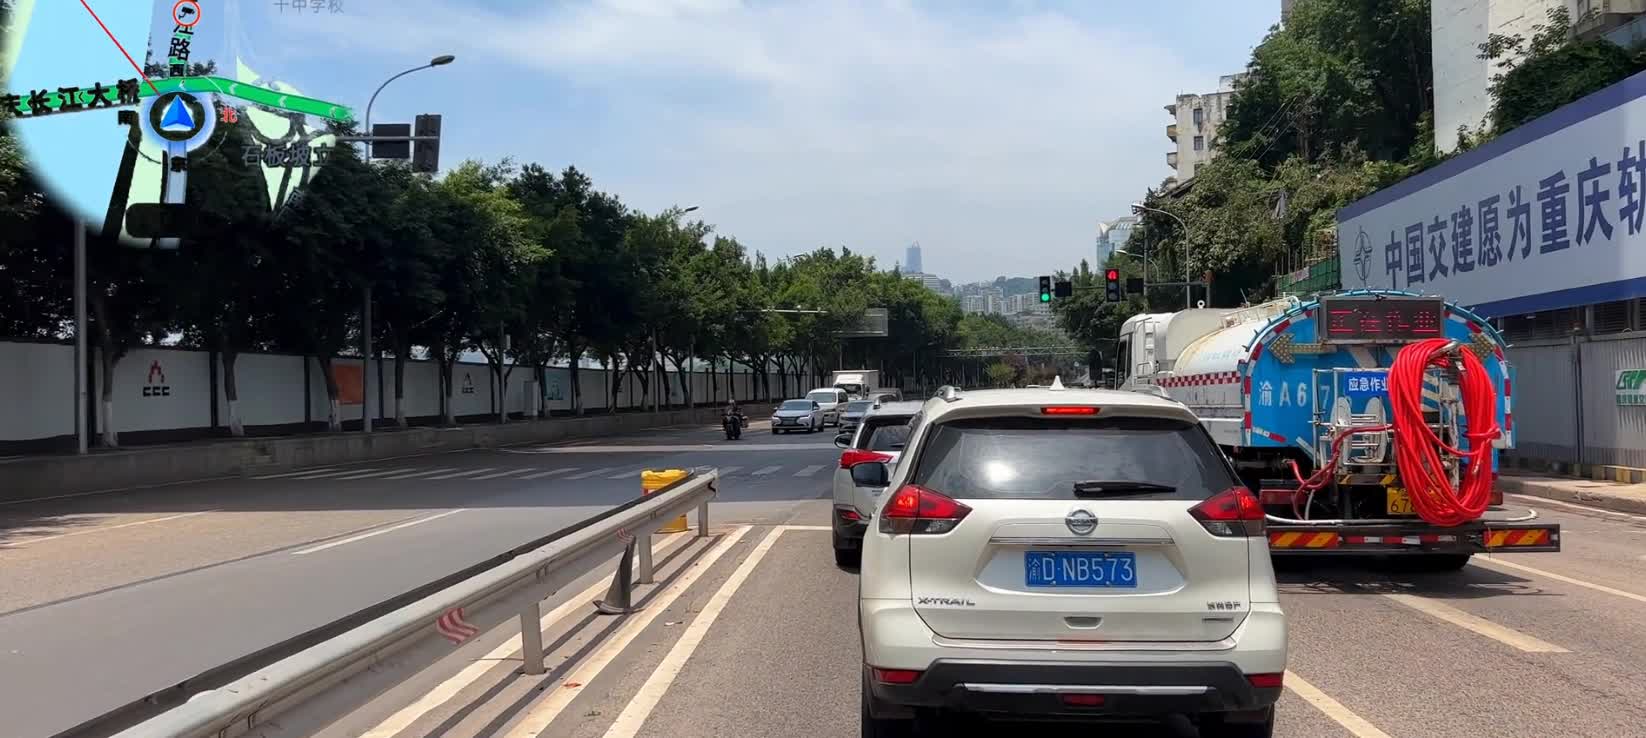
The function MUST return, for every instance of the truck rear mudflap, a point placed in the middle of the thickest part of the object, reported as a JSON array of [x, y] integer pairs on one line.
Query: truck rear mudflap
[[1482, 536]]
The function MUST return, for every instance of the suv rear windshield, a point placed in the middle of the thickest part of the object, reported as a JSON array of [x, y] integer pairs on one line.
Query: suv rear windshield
[[1037, 458], [885, 432], [823, 395]]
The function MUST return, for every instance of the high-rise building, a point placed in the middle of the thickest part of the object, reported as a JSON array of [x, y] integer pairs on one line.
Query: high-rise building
[[911, 259], [974, 304], [1195, 124], [1111, 236]]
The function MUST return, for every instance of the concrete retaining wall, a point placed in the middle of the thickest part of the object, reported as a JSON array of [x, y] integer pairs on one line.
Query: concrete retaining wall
[[46, 476]]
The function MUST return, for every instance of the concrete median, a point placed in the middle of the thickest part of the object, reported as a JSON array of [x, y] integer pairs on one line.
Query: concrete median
[[45, 476]]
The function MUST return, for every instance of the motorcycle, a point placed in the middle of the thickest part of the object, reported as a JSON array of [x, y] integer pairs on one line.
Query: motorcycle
[[733, 425]]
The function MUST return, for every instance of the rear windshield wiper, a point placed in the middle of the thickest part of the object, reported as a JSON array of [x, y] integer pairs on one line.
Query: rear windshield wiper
[[1105, 487]]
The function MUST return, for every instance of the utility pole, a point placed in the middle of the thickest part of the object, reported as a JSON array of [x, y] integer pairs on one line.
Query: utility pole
[[81, 400]]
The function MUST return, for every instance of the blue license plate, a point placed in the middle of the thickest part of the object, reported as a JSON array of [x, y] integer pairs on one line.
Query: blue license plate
[[1080, 569]]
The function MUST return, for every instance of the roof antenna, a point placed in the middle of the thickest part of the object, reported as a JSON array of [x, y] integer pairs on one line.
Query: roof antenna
[[1057, 382]]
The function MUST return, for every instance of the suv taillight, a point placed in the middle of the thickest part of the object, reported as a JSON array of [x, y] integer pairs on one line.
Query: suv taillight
[[855, 456], [915, 509], [1230, 513]]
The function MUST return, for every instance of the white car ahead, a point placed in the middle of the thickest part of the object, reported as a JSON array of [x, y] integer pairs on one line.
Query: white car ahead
[[1066, 554], [833, 401], [878, 437], [797, 415]]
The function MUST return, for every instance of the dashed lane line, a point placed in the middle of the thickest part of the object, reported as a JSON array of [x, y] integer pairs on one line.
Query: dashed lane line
[[508, 473], [550, 473], [374, 533], [100, 529], [763, 471], [465, 473], [810, 470], [1507, 636], [626, 475], [1499, 563], [538, 718], [509, 649], [640, 707], [323, 475], [726, 471], [370, 474], [424, 473], [594, 473], [297, 473], [1332, 708]]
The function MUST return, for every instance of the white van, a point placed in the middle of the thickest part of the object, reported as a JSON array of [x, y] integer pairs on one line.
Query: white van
[[833, 402]]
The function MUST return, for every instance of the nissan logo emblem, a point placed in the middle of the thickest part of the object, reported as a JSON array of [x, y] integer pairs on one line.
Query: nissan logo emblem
[[1081, 522]]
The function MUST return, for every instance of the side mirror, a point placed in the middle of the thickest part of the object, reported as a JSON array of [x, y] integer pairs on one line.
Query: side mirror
[[844, 440], [870, 474]]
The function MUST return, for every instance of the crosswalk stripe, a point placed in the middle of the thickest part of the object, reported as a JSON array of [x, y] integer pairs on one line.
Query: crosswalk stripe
[[596, 472], [369, 475], [510, 472], [726, 471], [549, 473], [465, 473], [423, 473], [296, 473], [334, 473], [763, 471], [627, 474], [810, 470]]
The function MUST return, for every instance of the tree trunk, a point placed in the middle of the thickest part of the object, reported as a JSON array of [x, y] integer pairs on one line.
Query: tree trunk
[[334, 419], [108, 359], [448, 414], [576, 352], [402, 348], [231, 390], [614, 370]]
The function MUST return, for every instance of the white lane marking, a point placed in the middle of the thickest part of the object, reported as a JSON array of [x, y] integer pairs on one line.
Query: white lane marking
[[1333, 709], [549, 473], [805, 527], [687, 448], [508, 473], [509, 649], [1489, 563], [334, 473], [424, 473], [727, 470], [378, 532], [810, 470], [645, 700], [1507, 636], [465, 473], [627, 474], [296, 473], [538, 718], [763, 471], [1535, 500], [132, 524], [368, 475], [596, 472]]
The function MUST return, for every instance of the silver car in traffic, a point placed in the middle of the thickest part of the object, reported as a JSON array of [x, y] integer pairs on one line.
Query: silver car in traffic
[[797, 415]]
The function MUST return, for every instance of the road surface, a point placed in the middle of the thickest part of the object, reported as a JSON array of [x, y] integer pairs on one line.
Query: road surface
[[105, 598]]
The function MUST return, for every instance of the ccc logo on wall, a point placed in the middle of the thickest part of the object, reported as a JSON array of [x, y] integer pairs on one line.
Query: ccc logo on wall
[[156, 385]]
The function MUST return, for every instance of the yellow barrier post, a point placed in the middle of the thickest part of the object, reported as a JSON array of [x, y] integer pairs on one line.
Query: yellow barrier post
[[652, 481]]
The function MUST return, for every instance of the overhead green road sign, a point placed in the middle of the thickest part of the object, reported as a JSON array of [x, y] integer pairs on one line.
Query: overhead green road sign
[[119, 94], [252, 94]]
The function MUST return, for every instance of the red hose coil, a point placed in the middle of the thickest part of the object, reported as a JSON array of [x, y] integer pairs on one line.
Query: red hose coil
[[1417, 447]]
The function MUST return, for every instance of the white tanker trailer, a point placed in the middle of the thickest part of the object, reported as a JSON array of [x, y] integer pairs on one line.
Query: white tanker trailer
[[1366, 422]]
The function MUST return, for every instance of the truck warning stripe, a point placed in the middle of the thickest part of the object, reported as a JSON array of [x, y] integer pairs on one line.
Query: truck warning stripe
[[1303, 539], [1507, 538]]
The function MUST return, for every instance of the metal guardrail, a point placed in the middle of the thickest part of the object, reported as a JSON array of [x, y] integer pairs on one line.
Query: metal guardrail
[[249, 692]]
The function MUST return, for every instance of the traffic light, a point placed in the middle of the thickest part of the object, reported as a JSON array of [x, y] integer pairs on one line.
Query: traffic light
[[1111, 285], [1045, 289], [1063, 288]]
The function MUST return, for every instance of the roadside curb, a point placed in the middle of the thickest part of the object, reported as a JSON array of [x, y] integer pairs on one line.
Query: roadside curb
[[1624, 498]]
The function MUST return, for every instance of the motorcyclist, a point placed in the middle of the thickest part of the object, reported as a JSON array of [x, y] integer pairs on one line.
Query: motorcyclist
[[733, 411]]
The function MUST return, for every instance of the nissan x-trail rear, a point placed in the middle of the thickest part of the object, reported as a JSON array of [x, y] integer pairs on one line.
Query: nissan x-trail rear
[[1067, 554]]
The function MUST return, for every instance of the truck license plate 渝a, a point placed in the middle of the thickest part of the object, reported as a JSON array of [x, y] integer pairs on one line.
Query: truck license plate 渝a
[[1080, 569], [1399, 503]]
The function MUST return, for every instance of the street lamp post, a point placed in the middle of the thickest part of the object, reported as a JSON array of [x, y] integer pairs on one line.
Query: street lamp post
[[1138, 208], [365, 297]]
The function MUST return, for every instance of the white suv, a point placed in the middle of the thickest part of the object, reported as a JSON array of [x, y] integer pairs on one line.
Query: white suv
[[878, 438], [1066, 554]]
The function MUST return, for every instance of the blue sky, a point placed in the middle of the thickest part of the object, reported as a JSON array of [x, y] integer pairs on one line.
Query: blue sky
[[996, 133]]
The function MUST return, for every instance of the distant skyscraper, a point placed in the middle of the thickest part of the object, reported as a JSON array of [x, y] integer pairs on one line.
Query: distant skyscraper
[[911, 259]]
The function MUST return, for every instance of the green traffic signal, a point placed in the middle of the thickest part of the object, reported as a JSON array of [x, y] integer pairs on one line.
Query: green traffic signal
[[1045, 297]]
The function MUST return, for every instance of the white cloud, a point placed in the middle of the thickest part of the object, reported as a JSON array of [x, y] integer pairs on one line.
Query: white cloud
[[995, 140]]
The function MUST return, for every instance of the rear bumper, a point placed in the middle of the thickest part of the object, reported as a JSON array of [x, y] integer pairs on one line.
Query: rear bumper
[[1414, 539], [849, 533], [1036, 688]]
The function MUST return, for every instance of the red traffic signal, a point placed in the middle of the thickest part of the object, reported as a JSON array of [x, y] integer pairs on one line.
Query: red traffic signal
[[1114, 275]]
